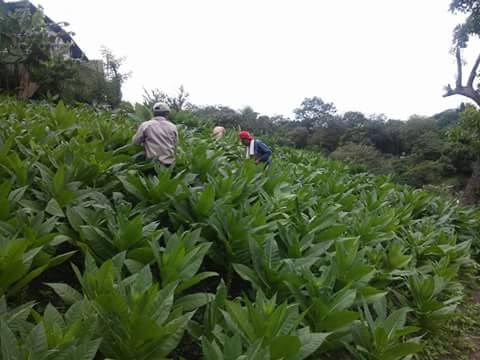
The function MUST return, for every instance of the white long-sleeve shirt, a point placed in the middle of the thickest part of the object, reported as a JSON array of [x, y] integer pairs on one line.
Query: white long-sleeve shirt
[[159, 137]]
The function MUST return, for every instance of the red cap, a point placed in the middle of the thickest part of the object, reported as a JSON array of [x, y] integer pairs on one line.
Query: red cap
[[245, 135]]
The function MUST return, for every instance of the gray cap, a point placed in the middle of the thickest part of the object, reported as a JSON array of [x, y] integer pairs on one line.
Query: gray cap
[[161, 107]]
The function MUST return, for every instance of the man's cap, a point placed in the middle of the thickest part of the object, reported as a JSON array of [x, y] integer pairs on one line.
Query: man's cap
[[161, 107]]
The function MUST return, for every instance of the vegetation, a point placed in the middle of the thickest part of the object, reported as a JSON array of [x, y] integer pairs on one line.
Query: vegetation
[[36, 61], [104, 256], [215, 258]]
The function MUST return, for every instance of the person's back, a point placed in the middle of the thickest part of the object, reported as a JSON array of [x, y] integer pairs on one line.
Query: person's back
[[256, 148], [218, 132], [159, 136], [262, 152]]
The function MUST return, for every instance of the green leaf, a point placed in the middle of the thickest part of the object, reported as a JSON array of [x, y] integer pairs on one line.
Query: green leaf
[[17, 194], [68, 294], [399, 351], [60, 259], [310, 342], [395, 321], [194, 301], [205, 201], [88, 350], [283, 347], [185, 284], [233, 348], [53, 208], [36, 341], [211, 351], [331, 233], [27, 279], [8, 343], [339, 319], [248, 274]]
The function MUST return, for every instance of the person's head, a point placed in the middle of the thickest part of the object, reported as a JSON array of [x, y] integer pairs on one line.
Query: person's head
[[245, 137], [218, 131], [161, 109]]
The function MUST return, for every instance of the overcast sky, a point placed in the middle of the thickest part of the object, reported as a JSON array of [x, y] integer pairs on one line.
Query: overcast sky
[[374, 56]]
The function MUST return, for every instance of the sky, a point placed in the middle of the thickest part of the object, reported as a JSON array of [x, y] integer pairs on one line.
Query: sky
[[375, 56]]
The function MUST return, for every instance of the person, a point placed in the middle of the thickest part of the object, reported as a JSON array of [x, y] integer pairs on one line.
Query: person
[[256, 148], [159, 136], [218, 132]]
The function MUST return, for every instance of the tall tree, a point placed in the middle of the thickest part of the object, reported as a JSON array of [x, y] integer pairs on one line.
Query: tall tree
[[469, 120], [314, 112], [178, 102], [462, 34], [467, 132], [33, 58], [114, 76]]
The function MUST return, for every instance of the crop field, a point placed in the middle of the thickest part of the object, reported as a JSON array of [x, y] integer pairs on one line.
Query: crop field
[[103, 256]]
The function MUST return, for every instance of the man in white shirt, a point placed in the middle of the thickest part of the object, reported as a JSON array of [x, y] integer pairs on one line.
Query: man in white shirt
[[159, 136]]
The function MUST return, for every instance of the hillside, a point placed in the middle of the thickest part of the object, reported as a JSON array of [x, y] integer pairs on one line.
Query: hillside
[[216, 258]]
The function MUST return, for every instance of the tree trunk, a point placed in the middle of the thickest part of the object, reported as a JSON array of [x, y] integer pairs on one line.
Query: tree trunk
[[471, 194], [27, 88]]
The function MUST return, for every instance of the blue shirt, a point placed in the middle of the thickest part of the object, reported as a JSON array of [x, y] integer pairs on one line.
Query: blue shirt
[[262, 151]]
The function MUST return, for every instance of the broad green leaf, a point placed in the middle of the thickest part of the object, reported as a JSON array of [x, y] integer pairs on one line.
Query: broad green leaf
[[68, 294], [53, 208], [8, 343], [283, 347], [399, 351], [194, 301]]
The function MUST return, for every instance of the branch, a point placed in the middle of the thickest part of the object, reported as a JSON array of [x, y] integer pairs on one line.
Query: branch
[[459, 69], [473, 73], [464, 91]]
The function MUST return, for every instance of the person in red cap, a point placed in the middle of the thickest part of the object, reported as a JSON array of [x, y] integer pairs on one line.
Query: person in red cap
[[255, 148]]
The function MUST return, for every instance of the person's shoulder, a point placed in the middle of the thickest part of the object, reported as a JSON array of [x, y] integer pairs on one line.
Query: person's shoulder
[[145, 124], [170, 125], [148, 122]]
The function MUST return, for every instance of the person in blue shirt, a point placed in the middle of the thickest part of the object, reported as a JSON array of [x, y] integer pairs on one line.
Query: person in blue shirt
[[256, 149]]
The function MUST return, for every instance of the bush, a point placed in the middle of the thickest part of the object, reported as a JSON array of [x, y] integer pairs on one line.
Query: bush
[[419, 174], [361, 154]]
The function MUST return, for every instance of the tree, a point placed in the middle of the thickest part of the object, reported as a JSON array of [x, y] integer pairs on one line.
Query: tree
[[221, 115], [354, 119], [33, 59], [467, 133], [177, 103], [361, 154], [314, 112], [114, 78], [449, 117], [298, 136], [415, 128], [462, 35], [326, 138]]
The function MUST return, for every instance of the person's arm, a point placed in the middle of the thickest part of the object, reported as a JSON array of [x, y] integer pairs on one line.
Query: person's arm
[[264, 151], [176, 137], [139, 137]]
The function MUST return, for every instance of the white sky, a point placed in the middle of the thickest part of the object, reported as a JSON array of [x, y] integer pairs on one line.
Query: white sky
[[373, 56]]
